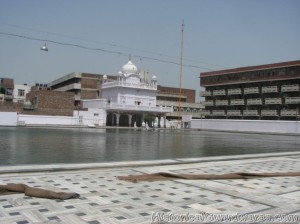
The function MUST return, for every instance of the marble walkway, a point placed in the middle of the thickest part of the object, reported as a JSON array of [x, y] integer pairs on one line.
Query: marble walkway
[[105, 199]]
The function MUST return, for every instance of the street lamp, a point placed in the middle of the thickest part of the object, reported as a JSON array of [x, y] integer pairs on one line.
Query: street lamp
[[44, 47]]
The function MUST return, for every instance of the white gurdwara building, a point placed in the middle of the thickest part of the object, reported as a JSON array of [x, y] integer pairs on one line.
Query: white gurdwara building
[[127, 101]]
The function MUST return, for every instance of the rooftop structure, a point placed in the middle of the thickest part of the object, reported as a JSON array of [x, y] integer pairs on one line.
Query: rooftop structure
[[257, 92]]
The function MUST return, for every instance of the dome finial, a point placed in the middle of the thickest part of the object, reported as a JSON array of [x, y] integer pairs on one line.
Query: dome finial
[[129, 68]]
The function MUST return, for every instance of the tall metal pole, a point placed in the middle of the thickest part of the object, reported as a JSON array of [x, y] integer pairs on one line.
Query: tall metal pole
[[180, 85]]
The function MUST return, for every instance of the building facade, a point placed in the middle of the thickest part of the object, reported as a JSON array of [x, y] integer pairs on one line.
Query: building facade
[[19, 93], [46, 102], [169, 96], [269, 92], [6, 89], [83, 85], [128, 100]]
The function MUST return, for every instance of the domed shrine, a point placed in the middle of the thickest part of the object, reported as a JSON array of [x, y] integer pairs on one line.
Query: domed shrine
[[130, 98]]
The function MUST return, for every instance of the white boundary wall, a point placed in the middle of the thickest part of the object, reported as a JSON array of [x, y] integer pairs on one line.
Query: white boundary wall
[[263, 126], [47, 120], [8, 118]]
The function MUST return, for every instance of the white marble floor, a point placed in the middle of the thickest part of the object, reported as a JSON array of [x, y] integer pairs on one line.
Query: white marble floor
[[105, 199]]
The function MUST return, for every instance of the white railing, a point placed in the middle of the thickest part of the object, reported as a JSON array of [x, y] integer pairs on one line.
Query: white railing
[[219, 92], [221, 102], [254, 101], [289, 88], [234, 113], [131, 85], [288, 113], [237, 102], [138, 107], [250, 113], [251, 90], [218, 112], [273, 101], [205, 93], [205, 112], [236, 91], [269, 113], [292, 100], [269, 89], [208, 103]]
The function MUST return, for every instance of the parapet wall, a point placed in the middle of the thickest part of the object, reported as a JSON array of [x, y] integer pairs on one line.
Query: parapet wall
[[260, 126]]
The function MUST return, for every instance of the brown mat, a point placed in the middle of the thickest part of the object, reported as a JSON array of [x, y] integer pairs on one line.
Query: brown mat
[[167, 176], [35, 192]]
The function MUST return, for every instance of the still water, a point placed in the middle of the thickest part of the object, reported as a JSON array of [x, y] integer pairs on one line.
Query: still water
[[20, 145]]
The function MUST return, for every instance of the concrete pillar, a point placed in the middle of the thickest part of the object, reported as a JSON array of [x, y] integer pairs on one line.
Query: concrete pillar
[[159, 121], [165, 121], [129, 119], [143, 117], [117, 119]]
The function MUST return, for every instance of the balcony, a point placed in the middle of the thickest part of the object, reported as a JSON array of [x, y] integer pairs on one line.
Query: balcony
[[257, 101], [237, 102], [288, 113], [273, 101], [234, 113], [219, 92], [205, 93], [208, 103], [221, 102], [120, 83], [218, 113], [250, 113], [269, 89], [292, 100], [267, 113], [289, 88], [251, 90], [69, 87], [205, 113], [236, 91]]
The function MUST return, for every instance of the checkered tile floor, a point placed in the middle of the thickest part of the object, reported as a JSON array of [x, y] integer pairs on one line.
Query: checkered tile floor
[[104, 199]]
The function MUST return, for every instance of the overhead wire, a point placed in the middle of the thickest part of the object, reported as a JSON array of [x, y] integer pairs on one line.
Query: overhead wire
[[109, 44], [104, 50]]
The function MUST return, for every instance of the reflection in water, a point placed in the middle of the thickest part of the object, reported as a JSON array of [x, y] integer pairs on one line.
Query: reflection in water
[[20, 145]]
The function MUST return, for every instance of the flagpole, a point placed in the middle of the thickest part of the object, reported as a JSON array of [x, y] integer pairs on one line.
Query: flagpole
[[180, 84]]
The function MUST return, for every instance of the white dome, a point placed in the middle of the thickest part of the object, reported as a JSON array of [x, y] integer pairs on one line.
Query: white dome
[[154, 77], [129, 68]]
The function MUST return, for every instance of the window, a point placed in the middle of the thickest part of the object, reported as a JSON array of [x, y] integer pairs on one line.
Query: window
[[35, 102], [21, 92]]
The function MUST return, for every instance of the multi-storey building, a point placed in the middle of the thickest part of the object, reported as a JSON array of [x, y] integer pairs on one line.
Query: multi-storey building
[[266, 92], [83, 85], [169, 96]]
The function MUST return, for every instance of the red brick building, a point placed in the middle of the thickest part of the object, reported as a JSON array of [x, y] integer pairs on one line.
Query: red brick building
[[165, 93], [83, 85], [6, 89], [45, 102]]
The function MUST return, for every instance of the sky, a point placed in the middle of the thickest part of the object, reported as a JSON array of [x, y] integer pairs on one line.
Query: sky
[[97, 36]]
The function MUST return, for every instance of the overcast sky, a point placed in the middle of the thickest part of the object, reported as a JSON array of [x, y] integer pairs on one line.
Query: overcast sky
[[218, 34]]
